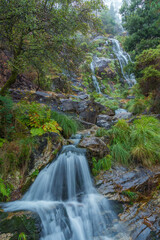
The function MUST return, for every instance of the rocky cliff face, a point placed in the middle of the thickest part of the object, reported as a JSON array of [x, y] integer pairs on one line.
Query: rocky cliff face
[[138, 192]]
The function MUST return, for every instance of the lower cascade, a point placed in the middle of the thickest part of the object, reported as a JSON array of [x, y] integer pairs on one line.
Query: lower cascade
[[68, 204]]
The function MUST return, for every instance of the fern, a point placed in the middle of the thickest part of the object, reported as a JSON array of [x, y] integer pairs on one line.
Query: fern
[[4, 190], [22, 236]]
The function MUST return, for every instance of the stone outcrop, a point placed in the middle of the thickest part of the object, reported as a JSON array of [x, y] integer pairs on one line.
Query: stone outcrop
[[138, 191], [95, 146], [86, 109], [104, 121]]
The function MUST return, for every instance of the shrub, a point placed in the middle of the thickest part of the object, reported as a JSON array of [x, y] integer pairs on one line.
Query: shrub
[[101, 132], [69, 125], [22, 236], [6, 116], [37, 118], [101, 164], [148, 64], [5, 190], [136, 143], [112, 104], [139, 105]]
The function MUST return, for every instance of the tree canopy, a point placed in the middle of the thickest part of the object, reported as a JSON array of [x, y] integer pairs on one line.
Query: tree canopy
[[34, 32], [142, 21]]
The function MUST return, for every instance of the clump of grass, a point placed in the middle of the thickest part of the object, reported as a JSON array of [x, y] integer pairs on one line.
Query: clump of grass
[[101, 132], [109, 103], [101, 164], [69, 125], [138, 105], [137, 142]]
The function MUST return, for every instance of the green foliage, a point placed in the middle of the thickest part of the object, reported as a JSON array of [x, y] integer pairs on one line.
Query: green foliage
[[21, 226], [136, 143], [35, 173], [6, 116], [101, 164], [109, 21], [15, 155], [139, 105], [2, 141], [5, 190], [101, 132], [37, 34], [69, 126], [112, 104], [143, 28], [22, 236], [131, 195], [37, 118], [148, 64]]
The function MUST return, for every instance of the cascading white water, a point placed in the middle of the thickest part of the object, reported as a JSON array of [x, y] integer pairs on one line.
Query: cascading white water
[[123, 58], [67, 203], [95, 82]]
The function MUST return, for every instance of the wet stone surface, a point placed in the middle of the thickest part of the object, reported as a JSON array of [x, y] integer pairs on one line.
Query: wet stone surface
[[138, 192]]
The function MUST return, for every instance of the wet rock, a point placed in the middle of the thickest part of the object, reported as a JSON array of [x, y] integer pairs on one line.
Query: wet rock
[[98, 38], [140, 180], [122, 114], [101, 63], [43, 94], [95, 146], [100, 49], [104, 121], [83, 96], [87, 109], [47, 147], [68, 105], [142, 217]]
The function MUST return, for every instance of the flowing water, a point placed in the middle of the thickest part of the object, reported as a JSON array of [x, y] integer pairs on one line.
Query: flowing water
[[67, 203], [95, 82], [124, 59]]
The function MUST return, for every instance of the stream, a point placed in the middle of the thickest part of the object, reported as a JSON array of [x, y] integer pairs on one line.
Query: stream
[[123, 58], [67, 203]]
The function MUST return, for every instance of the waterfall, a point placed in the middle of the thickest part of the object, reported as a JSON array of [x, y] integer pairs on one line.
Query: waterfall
[[67, 203], [123, 58], [95, 82]]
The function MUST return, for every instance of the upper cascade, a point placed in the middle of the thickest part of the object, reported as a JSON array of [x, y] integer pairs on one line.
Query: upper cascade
[[123, 58]]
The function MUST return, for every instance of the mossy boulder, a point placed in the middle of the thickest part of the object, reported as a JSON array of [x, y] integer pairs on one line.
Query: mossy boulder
[[12, 224]]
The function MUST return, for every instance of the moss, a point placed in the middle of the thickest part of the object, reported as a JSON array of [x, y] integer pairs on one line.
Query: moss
[[18, 223]]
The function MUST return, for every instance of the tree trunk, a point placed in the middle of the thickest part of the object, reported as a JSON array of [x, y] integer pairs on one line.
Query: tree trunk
[[9, 82]]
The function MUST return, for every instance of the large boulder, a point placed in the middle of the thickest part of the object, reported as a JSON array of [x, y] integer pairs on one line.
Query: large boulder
[[87, 110], [95, 146], [68, 105], [101, 63]]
